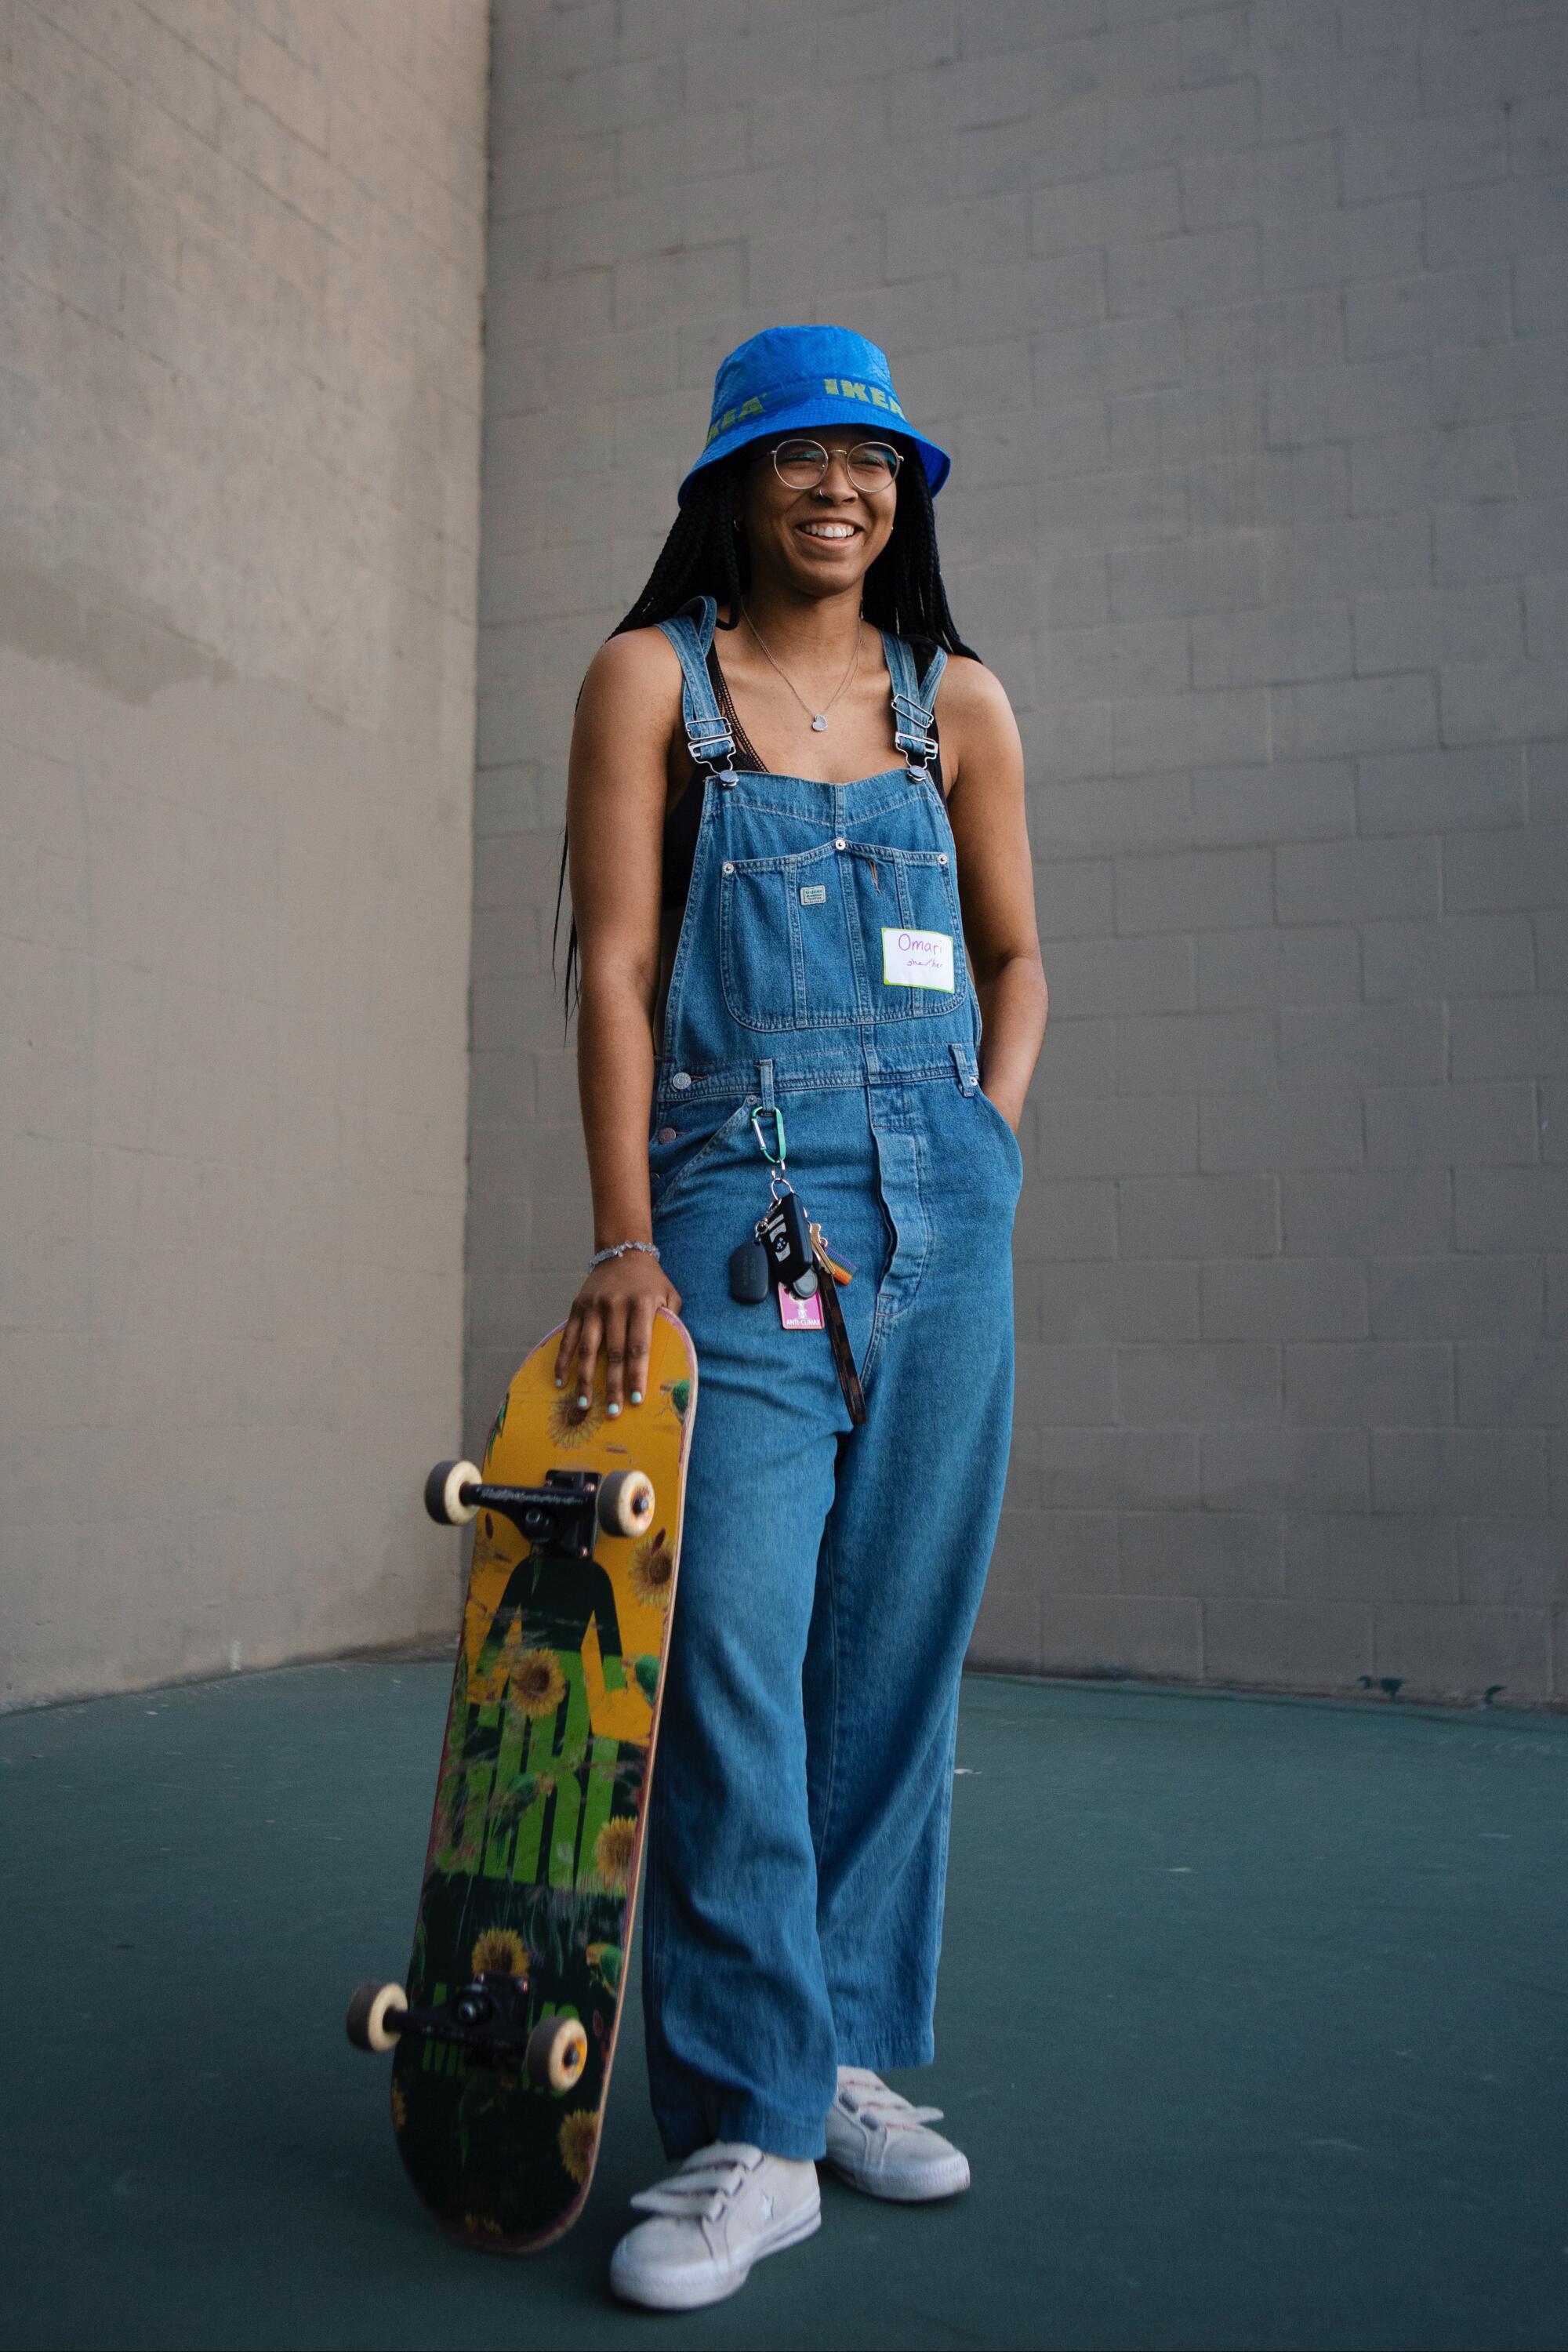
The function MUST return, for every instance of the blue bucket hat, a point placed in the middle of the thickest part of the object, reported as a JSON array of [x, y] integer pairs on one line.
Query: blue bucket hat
[[788, 378]]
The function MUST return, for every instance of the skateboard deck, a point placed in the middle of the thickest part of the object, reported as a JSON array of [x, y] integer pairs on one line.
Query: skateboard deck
[[501, 2051]]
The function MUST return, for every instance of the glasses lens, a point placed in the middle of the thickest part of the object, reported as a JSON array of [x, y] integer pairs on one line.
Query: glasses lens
[[873, 466], [800, 464]]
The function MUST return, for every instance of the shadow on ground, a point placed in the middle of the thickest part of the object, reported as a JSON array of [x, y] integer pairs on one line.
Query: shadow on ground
[[1252, 2023]]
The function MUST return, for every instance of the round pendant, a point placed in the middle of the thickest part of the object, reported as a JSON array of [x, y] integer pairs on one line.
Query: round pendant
[[819, 725]]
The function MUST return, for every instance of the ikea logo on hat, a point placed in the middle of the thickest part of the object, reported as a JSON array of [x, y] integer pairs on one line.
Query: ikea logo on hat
[[842, 387], [733, 417]]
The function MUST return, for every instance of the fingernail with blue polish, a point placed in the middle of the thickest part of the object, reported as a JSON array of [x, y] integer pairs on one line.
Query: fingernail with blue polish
[[581, 1404], [636, 1396], [613, 1411]]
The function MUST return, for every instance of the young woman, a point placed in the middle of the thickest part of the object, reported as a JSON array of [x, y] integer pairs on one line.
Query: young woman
[[806, 942]]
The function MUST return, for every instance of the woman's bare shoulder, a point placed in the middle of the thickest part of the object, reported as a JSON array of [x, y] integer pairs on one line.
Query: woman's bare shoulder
[[968, 691], [979, 732], [628, 711], [638, 667]]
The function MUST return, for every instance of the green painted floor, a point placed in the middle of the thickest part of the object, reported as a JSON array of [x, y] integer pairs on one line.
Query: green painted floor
[[1252, 2023]]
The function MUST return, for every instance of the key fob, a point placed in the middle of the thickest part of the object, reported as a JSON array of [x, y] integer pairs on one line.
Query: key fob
[[784, 1235], [750, 1279]]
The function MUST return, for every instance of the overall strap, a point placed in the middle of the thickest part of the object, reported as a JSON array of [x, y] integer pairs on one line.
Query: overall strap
[[712, 745], [932, 679], [912, 711]]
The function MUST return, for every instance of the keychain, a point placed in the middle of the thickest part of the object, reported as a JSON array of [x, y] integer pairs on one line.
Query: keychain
[[780, 1250], [750, 1278], [788, 1253]]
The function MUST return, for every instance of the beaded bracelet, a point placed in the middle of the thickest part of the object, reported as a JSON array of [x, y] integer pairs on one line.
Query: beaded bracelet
[[620, 1250]]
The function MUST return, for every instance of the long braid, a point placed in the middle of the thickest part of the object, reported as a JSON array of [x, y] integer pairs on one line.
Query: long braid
[[704, 555]]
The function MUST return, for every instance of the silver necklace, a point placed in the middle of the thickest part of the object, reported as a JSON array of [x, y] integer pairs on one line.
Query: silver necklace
[[819, 718]]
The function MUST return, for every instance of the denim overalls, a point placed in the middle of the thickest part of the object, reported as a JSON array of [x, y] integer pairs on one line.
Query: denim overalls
[[829, 1574]]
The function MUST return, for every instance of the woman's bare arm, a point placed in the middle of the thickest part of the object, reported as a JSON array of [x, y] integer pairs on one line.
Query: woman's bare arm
[[995, 877], [616, 788]]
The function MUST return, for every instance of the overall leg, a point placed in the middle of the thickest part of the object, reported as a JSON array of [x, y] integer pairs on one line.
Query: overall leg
[[904, 1558], [739, 2027]]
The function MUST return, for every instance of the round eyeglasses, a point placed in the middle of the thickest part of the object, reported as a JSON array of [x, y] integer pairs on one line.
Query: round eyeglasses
[[870, 464]]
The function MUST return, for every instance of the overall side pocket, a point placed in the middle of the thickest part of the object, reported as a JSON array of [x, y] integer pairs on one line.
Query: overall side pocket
[[671, 1161], [1010, 1141]]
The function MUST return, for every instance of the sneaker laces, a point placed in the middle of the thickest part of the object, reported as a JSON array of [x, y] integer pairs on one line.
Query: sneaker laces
[[866, 2096], [702, 2188]]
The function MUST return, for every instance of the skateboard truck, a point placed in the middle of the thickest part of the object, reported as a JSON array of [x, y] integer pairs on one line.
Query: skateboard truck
[[486, 2018], [559, 1517]]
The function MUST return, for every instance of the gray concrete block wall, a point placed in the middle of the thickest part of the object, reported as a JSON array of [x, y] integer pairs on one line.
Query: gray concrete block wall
[[241, 256], [1247, 325]]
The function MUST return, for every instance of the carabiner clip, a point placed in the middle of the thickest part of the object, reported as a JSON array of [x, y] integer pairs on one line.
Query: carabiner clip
[[774, 1158]]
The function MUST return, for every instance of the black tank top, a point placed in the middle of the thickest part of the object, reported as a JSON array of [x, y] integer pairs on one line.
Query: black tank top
[[681, 822]]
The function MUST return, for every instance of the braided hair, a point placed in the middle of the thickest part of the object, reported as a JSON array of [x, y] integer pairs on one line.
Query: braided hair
[[704, 555]]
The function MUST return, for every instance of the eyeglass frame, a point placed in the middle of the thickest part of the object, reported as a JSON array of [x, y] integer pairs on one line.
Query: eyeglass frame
[[796, 440]]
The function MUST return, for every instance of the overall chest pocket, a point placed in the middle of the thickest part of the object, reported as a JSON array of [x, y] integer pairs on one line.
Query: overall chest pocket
[[800, 937], [906, 904], [784, 958]]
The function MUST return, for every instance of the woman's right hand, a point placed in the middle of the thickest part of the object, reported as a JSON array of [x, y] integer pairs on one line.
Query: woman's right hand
[[612, 1314]]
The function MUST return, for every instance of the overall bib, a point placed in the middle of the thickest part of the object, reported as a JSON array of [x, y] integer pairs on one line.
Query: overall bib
[[830, 1573]]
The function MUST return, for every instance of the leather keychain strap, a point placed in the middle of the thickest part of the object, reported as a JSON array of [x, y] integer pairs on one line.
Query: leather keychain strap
[[838, 1338]]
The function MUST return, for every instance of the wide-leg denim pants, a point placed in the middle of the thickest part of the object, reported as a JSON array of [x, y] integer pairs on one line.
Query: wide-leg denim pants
[[829, 1573]]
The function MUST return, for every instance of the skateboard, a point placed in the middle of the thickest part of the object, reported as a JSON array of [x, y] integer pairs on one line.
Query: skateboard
[[503, 2035]]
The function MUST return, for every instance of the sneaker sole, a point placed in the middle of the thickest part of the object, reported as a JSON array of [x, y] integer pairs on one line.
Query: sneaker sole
[[930, 2185], [657, 2291]]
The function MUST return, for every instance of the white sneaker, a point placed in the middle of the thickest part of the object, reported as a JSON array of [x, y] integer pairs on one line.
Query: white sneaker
[[877, 2142], [726, 2207]]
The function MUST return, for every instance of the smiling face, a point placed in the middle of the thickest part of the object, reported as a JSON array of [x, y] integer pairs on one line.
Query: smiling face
[[819, 542]]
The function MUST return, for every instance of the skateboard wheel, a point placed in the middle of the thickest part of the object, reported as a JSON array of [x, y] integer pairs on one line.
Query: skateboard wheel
[[625, 1503], [557, 2052], [443, 1493], [373, 2015]]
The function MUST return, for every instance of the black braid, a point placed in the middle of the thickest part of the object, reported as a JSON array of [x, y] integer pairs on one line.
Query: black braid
[[704, 555]]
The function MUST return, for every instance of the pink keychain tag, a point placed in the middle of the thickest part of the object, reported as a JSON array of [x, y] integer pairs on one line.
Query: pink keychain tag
[[799, 1313]]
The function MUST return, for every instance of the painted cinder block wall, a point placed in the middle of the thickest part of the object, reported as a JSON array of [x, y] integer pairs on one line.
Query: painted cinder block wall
[[241, 259], [1248, 327]]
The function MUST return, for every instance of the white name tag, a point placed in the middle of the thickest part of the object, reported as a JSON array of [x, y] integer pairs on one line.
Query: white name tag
[[917, 958]]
